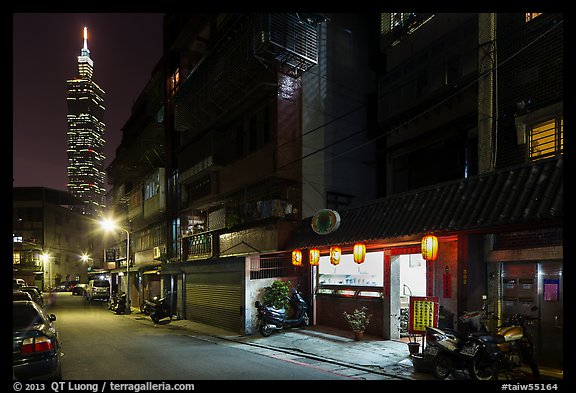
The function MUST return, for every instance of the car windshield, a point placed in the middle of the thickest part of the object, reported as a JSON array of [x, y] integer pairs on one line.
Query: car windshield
[[25, 315], [101, 283]]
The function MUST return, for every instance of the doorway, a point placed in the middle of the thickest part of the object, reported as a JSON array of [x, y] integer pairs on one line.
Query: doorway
[[411, 280], [537, 284]]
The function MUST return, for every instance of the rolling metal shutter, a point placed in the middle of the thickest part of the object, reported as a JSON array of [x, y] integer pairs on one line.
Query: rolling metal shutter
[[216, 298]]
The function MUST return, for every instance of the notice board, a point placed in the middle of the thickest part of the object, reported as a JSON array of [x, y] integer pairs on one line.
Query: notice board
[[423, 313]]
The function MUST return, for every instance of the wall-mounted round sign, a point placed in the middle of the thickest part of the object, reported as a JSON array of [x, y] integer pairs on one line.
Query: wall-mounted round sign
[[325, 221]]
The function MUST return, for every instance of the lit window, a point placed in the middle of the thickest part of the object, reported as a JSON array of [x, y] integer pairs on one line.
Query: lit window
[[547, 138], [528, 16]]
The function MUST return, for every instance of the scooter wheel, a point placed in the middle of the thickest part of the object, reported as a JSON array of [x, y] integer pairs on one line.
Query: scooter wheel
[[155, 318], [265, 330], [440, 367]]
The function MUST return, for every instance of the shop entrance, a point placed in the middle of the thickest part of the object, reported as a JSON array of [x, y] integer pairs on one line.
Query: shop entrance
[[408, 276]]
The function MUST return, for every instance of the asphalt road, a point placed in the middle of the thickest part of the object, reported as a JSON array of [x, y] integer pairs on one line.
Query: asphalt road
[[99, 345]]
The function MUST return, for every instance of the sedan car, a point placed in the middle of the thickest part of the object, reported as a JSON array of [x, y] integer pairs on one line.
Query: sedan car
[[79, 289], [35, 293], [21, 295], [36, 347]]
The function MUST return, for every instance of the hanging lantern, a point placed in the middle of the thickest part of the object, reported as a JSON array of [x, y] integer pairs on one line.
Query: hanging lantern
[[359, 252], [429, 247], [314, 256], [335, 253], [297, 257]]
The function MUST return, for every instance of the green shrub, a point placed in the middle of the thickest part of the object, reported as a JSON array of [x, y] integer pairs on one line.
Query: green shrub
[[277, 294]]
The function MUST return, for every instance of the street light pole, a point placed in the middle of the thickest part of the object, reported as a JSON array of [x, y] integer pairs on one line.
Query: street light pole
[[109, 224]]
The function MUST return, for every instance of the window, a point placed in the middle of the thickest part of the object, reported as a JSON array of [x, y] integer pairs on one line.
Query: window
[[528, 16], [546, 138]]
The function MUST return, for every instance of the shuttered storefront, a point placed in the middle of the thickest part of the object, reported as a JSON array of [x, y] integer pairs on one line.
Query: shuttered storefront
[[214, 294]]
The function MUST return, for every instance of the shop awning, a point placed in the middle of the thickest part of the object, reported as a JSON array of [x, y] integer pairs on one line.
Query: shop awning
[[525, 196]]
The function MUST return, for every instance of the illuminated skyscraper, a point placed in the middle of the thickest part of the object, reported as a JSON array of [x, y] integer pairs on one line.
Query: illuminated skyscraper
[[86, 175]]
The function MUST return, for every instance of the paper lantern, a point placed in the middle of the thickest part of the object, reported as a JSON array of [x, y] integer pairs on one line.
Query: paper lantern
[[297, 257], [335, 253], [359, 252], [314, 256], [429, 247]]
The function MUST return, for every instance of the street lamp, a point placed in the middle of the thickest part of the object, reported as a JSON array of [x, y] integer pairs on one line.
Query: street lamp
[[46, 262], [110, 225]]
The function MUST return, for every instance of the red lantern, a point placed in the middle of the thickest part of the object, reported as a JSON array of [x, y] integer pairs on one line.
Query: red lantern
[[297, 257], [429, 247], [314, 257], [359, 252], [335, 253]]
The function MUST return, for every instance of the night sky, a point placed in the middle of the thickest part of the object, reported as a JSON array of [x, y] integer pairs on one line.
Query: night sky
[[125, 47]]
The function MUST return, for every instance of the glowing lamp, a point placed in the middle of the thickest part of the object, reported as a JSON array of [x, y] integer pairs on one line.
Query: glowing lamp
[[359, 252], [429, 247], [297, 257], [335, 253], [314, 256]]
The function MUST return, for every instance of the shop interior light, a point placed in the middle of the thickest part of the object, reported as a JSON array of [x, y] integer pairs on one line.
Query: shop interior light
[[314, 256], [359, 252]]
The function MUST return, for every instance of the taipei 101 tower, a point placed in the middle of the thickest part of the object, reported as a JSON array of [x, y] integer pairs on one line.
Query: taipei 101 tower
[[86, 175]]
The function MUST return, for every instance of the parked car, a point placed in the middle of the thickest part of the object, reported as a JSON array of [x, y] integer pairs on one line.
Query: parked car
[[36, 348], [98, 289], [18, 283], [21, 295], [79, 289], [66, 286], [35, 293]]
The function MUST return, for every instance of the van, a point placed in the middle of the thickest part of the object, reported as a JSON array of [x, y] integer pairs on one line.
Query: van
[[98, 289]]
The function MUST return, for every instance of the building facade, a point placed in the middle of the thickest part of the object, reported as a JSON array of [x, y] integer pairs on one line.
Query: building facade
[[53, 242], [85, 136], [470, 111], [238, 136]]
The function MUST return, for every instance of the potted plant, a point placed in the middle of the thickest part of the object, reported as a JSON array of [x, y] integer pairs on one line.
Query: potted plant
[[277, 294], [358, 321]]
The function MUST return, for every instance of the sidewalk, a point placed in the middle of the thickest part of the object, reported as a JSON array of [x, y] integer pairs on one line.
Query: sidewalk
[[372, 354]]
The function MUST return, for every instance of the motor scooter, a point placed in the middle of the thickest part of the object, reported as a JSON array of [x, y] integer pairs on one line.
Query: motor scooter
[[148, 304], [117, 303], [160, 310], [272, 319], [506, 351], [442, 352], [120, 307]]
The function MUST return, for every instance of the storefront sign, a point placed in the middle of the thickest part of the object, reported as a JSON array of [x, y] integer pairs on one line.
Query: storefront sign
[[325, 221], [423, 313]]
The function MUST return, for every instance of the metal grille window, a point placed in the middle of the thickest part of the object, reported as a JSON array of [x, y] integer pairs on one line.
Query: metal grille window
[[271, 266], [547, 139]]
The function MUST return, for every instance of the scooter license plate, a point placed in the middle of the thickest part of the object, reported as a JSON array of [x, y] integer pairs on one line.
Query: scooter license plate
[[469, 350], [431, 351]]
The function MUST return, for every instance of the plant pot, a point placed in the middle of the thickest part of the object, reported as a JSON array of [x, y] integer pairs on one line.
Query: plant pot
[[419, 363], [413, 348], [358, 336]]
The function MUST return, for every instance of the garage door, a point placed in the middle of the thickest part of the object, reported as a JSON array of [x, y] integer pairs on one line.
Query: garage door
[[215, 298]]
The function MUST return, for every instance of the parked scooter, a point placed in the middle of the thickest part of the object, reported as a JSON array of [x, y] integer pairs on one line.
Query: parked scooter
[[113, 301], [271, 318], [148, 304], [442, 352], [117, 303], [160, 310], [509, 349]]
